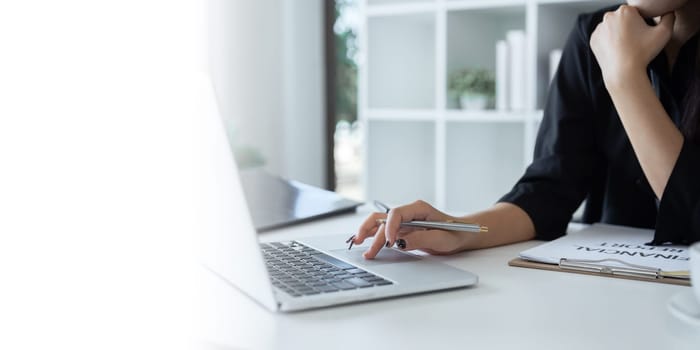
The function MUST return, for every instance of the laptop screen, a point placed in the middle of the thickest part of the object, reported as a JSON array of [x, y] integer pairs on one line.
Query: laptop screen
[[276, 202]]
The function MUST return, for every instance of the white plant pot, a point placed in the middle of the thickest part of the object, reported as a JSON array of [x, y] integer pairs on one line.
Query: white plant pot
[[473, 101]]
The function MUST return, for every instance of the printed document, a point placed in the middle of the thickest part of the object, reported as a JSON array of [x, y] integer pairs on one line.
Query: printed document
[[622, 243]]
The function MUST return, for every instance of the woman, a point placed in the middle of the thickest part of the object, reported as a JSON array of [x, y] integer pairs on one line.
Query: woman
[[620, 129]]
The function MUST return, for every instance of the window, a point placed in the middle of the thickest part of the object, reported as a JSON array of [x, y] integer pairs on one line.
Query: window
[[345, 141]]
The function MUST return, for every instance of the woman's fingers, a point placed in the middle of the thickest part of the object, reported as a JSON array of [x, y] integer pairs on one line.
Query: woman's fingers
[[431, 241], [369, 227], [418, 210], [623, 43], [664, 29], [377, 244], [388, 232]]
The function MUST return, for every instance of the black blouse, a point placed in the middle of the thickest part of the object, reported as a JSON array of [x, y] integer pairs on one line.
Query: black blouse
[[583, 152]]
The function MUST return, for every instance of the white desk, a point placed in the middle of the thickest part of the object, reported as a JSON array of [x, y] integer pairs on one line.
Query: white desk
[[511, 307]]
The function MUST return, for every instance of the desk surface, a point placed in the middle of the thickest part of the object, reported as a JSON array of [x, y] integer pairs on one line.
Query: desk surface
[[510, 308]]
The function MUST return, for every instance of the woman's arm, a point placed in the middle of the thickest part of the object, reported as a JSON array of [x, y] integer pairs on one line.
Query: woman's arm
[[624, 45], [656, 140], [507, 224]]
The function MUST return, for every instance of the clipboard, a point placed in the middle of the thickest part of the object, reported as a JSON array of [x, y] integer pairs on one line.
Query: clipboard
[[610, 251], [519, 262]]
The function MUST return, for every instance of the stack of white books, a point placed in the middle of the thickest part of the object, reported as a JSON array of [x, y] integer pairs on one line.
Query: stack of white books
[[511, 72]]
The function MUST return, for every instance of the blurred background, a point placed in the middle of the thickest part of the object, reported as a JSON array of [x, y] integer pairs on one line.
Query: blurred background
[[376, 99], [395, 100]]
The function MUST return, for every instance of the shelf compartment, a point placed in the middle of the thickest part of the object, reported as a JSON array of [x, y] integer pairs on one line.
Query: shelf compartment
[[398, 8], [400, 161], [486, 116], [477, 28], [484, 159], [373, 3], [482, 4], [401, 114], [401, 62]]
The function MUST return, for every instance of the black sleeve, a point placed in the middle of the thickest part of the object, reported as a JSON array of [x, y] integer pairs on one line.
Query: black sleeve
[[678, 220], [560, 176]]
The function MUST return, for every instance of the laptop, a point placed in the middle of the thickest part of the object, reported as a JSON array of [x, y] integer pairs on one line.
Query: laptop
[[275, 202], [302, 274]]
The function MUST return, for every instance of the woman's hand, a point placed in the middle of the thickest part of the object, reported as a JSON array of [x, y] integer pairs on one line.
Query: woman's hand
[[625, 44], [431, 241]]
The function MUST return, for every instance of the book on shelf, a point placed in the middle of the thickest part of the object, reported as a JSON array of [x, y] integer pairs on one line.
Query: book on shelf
[[517, 69], [502, 75], [511, 72]]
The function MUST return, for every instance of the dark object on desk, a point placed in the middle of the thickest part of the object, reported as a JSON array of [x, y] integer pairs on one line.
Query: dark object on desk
[[275, 202]]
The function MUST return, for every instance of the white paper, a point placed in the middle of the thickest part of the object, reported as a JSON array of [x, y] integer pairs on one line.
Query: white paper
[[502, 63], [601, 241]]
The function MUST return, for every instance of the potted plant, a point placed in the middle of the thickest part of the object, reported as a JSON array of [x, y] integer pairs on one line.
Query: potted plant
[[475, 88]]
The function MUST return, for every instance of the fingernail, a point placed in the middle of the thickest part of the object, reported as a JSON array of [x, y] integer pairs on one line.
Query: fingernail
[[350, 239], [387, 244], [401, 243]]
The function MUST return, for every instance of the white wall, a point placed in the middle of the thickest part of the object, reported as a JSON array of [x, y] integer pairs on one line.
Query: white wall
[[266, 60], [98, 188]]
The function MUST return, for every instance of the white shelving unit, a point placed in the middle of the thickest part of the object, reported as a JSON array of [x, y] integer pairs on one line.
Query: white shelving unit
[[417, 143]]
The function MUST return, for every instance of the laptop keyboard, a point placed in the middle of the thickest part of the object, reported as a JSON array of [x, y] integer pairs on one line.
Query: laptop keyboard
[[299, 270]]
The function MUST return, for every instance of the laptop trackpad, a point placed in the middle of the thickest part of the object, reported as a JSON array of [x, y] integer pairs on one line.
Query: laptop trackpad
[[385, 256]]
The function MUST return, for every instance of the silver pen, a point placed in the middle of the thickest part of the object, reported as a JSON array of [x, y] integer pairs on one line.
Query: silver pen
[[443, 225], [440, 225], [381, 206]]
